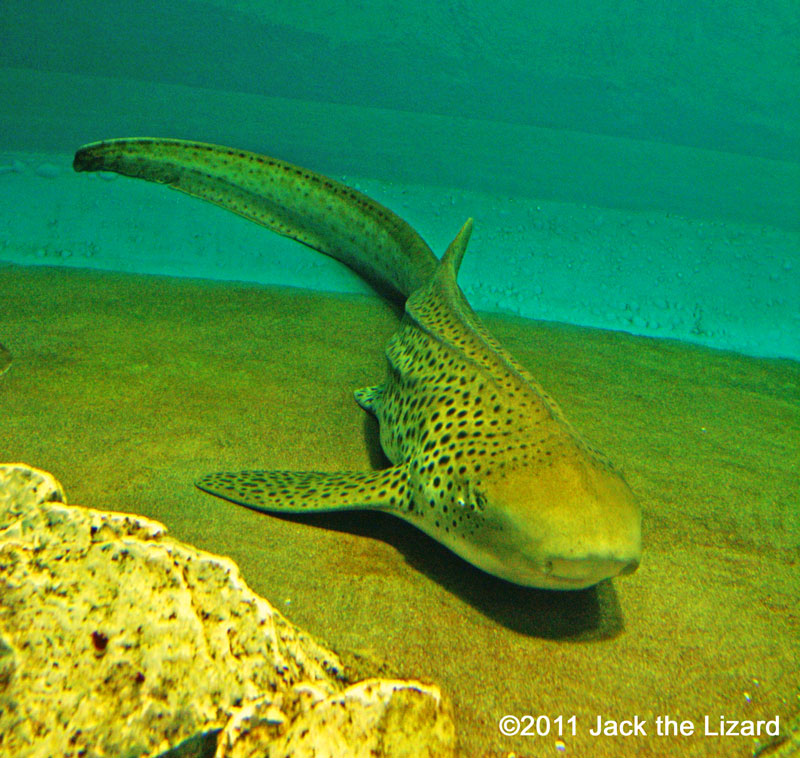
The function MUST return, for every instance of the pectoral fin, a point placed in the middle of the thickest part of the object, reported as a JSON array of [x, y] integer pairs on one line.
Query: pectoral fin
[[306, 492], [369, 398]]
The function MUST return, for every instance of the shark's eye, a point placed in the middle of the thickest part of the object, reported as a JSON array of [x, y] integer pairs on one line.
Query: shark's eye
[[472, 499]]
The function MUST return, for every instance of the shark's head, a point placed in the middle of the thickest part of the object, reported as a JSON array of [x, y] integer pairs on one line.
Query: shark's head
[[562, 525]]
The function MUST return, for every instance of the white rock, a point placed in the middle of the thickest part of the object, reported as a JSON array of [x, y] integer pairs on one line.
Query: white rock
[[117, 640]]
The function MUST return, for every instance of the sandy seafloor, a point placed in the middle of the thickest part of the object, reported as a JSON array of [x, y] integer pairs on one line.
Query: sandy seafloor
[[128, 387]]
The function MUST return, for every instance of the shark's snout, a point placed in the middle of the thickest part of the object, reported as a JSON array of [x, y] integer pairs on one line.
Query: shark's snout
[[600, 533], [567, 526]]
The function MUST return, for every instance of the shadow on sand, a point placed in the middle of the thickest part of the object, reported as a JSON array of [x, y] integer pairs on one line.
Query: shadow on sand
[[575, 615]]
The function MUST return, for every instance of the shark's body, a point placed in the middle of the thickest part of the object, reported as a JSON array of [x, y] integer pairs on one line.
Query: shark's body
[[483, 459]]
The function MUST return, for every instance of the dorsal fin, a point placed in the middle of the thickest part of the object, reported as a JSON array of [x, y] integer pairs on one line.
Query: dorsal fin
[[456, 249], [440, 309]]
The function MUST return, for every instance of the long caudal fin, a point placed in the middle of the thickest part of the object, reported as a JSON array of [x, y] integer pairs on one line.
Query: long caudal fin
[[307, 492], [295, 202]]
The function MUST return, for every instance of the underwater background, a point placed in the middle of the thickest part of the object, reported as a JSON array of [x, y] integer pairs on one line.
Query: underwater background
[[631, 166]]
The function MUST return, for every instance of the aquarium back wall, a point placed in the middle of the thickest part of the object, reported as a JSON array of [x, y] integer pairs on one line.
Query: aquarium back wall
[[516, 97]]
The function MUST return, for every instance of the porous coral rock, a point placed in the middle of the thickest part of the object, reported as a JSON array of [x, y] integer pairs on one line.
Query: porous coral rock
[[117, 640], [376, 717]]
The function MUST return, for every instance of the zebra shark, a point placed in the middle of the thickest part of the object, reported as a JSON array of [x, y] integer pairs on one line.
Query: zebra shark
[[483, 459]]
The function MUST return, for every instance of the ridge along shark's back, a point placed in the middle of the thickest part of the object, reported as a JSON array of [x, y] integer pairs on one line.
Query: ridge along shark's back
[[484, 459]]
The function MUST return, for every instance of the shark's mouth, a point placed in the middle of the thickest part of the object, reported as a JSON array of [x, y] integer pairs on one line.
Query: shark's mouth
[[584, 572]]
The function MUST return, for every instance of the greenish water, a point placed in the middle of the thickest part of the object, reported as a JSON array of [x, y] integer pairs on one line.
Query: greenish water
[[631, 167]]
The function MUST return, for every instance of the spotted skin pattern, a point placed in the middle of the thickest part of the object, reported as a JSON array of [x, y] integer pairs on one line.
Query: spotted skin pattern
[[483, 458]]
